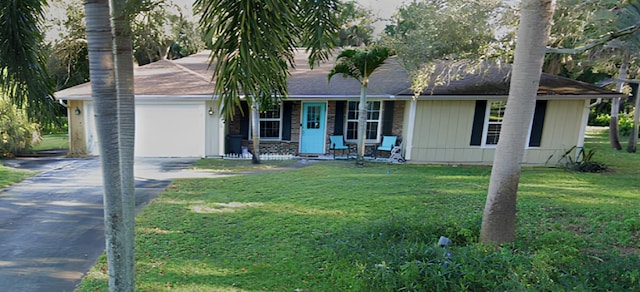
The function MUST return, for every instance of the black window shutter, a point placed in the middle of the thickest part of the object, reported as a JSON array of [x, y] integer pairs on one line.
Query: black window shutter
[[387, 118], [478, 122], [244, 121], [286, 120], [338, 127], [538, 123]]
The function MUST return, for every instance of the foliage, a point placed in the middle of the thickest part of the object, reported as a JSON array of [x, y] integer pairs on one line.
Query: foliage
[[336, 227], [187, 40], [625, 122], [577, 22], [17, 133], [158, 33], [68, 61], [23, 73], [158, 27], [454, 30], [360, 64], [356, 25], [253, 44], [583, 161]]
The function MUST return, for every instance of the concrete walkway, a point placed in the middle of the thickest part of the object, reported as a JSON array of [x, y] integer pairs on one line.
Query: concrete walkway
[[51, 224]]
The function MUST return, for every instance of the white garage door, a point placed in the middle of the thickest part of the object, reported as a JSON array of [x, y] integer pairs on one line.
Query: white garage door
[[170, 129]]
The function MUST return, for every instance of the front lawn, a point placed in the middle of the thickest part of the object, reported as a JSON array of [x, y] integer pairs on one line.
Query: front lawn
[[9, 176], [52, 141], [332, 226]]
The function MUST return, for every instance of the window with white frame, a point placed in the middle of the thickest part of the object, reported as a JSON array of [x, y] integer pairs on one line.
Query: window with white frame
[[374, 121], [493, 122], [271, 123]]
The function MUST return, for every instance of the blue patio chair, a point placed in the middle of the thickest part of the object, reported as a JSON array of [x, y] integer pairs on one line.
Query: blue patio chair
[[388, 142], [337, 143]]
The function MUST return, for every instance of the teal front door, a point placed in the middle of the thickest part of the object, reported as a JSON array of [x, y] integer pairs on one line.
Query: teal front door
[[313, 128]]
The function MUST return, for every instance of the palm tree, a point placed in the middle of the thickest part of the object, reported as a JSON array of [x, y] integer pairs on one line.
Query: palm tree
[[253, 45], [23, 73], [498, 220], [123, 61], [117, 168], [360, 64]]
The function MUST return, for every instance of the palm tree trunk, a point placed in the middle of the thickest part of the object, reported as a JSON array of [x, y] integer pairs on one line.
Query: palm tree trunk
[[362, 124], [614, 133], [255, 132], [123, 55], [498, 221], [103, 87]]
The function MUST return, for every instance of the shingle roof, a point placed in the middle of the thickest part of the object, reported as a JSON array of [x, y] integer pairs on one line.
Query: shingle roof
[[191, 76]]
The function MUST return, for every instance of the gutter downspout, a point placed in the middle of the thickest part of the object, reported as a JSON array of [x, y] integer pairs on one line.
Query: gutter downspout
[[583, 126], [61, 102]]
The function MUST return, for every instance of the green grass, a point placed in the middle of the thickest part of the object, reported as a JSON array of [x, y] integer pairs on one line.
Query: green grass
[[332, 226], [9, 176], [52, 141], [239, 165]]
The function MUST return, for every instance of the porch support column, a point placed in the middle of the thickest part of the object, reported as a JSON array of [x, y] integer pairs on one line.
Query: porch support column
[[583, 128], [410, 128]]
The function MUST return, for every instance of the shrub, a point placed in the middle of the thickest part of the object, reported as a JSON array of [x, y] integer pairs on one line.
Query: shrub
[[17, 134], [582, 162], [625, 124], [600, 120]]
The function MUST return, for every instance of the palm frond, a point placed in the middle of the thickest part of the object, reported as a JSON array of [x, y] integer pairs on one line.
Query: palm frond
[[23, 73], [253, 43]]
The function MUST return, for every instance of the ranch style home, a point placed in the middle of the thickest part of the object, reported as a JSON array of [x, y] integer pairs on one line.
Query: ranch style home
[[177, 114]]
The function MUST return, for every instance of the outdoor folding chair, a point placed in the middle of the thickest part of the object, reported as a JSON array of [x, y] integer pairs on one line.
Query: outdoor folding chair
[[388, 142], [337, 143]]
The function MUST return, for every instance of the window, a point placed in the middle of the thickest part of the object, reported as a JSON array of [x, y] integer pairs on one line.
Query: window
[[374, 116], [488, 118], [495, 115], [271, 123]]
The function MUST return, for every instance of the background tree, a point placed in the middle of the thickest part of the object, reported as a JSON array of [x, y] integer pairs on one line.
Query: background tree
[[253, 44], [454, 30], [356, 27], [360, 64], [596, 39], [498, 220], [67, 59]]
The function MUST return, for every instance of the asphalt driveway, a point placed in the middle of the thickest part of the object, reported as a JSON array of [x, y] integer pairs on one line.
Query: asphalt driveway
[[51, 224]]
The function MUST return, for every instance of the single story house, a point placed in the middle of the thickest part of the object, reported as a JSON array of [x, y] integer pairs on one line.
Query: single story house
[[177, 114]]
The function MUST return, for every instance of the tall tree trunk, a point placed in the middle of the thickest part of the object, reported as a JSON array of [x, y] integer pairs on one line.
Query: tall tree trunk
[[633, 138], [123, 54], [103, 90], [498, 221], [362, 124], [255, 132], [614, 132]]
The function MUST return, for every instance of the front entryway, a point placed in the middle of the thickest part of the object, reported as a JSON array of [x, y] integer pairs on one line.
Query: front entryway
[[312, 136]]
